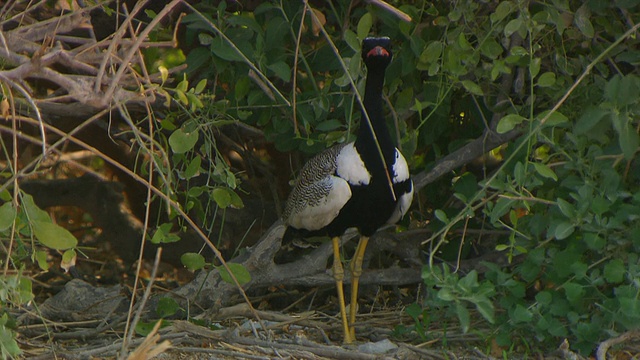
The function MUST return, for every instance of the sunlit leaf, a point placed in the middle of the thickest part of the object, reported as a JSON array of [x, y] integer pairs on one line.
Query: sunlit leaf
[[509, 122], [53, 235], [68, 260], [41, 259], [182, 141], [192, 261], [239, 271], [547, 79], [364, 25], [33, 211]]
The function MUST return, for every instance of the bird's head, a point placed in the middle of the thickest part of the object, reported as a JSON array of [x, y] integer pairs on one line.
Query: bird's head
[[376, 51]]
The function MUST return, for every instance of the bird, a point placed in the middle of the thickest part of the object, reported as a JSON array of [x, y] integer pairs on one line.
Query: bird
[[363, 184]]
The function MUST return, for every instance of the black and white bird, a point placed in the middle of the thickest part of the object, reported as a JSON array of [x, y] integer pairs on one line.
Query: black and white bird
[[363, 184]]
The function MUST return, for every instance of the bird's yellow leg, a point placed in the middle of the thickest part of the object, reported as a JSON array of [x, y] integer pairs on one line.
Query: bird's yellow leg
[[356, 271], [338, 275]]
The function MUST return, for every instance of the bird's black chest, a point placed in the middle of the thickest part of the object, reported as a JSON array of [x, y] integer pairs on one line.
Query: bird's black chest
[[369, 207]]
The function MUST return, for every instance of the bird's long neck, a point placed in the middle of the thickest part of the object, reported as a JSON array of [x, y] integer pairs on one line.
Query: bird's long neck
[[365, 142]]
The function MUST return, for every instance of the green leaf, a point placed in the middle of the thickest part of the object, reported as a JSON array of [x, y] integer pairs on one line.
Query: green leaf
[[432, 52], [545, 171], [222, 197], [7, 215], [200, 86], [508, 122], [547, 79], [282, 70], [472, 87], [580, 269], [41, 259], [183, 86], [329, 125], [222, 49], [534, 67], [521, 314], [628, 91], [163, 234], [563, 230], [491, 49], [182, 141], [164, 73], [554, 119], [364, 25], [501, 207], [469, 282], [236, 200], [442, 216], [544, 297], [351, 39], [463, 42], [629, 141], [581, 19], [68, 259], [487, 310], [594, 241], [590, 118], [463, 317], [25, 290], [630, 307], [503, 9], [574, 292], [413, 310], [33, 211], [192, 261], [167, 307], [501, 247], [193, 169], [53, 235], [446, 294], [144, 328], [614, 271], [239, 271], [513, 26], [566, 208], [8, 344]]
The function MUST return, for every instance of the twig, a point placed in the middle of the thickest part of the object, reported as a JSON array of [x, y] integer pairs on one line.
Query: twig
[[143, 301], [112, 46], [605, 345], [392, 9], [124, 65]]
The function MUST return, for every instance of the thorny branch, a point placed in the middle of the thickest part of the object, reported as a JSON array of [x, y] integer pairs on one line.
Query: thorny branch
[[85, 77]]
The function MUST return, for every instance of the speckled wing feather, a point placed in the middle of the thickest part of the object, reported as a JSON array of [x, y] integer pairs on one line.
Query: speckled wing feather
[[318, 194]]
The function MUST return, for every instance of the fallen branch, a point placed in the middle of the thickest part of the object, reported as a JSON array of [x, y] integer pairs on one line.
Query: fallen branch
[[605, 345]]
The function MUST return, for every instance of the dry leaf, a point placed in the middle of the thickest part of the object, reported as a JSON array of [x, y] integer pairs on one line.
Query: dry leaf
[[317, 22], [4, 108]]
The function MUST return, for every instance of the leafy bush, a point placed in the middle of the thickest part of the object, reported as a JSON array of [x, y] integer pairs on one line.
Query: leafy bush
[[567, 191]]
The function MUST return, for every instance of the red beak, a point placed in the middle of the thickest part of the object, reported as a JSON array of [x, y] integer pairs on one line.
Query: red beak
[[378, 51]]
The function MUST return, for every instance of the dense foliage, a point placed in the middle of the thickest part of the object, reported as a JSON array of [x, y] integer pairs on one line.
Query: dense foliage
[[560, 205], [565, 193]]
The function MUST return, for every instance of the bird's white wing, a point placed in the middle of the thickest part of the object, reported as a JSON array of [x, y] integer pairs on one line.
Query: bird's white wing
[[318, 203]]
